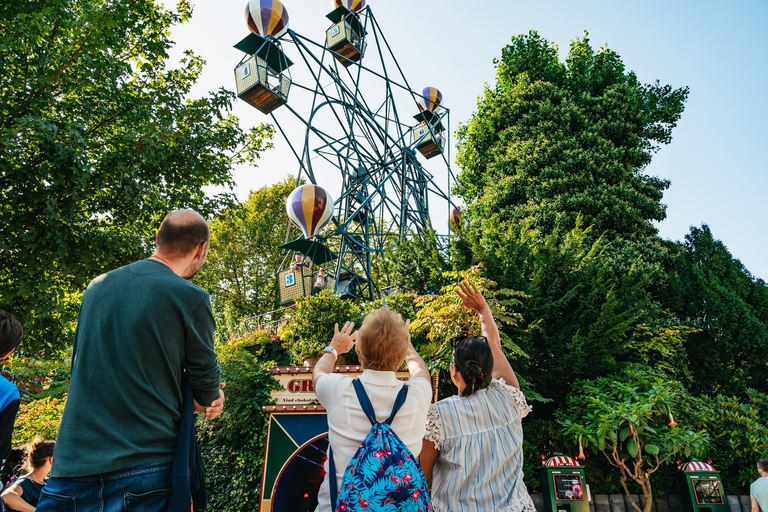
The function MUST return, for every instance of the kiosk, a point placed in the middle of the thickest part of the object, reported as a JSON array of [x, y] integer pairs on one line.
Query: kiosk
[[297, 441], [563, 485], [700, 488]]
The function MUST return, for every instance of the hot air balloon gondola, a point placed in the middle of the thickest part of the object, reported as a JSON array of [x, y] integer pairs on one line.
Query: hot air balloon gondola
[[346, 37], [310, 208], [428, 136], [260, 75]]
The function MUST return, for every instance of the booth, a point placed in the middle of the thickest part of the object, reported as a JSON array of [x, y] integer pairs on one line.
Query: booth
[[563, 485], [700, 488], [297, 441]]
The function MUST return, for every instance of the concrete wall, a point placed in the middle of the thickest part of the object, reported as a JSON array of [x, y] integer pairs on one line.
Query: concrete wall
[[622, 503]]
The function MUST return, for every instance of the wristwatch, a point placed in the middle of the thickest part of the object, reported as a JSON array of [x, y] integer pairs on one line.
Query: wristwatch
[[329, 349]]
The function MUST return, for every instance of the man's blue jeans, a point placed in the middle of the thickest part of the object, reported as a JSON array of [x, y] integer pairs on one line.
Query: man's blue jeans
[[139, 489]]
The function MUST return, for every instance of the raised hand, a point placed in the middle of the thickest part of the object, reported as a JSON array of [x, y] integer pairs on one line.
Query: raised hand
[[344, 339], [470, 296]]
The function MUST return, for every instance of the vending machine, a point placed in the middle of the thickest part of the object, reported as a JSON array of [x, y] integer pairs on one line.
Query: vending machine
[[563, 485], [700, 488]]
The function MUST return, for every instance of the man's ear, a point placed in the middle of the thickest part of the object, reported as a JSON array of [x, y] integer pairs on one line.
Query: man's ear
[[200, 251]]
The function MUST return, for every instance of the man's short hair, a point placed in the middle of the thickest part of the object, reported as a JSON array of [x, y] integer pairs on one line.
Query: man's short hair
[[762, 465], [11, 332], [181, 232], [382, 340]]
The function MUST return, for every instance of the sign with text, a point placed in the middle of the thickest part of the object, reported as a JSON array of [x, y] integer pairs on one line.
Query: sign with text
[[296, 383]]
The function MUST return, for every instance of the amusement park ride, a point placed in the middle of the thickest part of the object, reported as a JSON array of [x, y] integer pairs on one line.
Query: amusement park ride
[[351, 93]]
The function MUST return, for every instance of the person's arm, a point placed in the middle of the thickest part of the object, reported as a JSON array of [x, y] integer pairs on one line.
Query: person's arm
[[413, 361], [201, 366], [427, 459], [755, 505], [12, 498], [474, 300], [342, 341], [7, 419]]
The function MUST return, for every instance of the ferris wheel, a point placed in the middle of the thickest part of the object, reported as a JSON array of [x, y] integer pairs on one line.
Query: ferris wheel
[[361, 129]]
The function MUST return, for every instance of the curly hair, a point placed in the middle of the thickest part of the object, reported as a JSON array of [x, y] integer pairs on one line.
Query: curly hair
[[37, 452]]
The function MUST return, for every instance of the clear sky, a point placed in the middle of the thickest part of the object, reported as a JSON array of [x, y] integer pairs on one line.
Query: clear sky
[[718, 49]]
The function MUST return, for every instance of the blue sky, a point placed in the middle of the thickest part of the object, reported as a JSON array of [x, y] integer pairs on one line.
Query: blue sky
[[718, 49]]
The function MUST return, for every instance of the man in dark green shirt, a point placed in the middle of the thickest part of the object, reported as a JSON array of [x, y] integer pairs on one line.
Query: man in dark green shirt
[[139, 329]]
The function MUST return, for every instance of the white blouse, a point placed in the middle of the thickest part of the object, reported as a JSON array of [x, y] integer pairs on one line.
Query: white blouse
[[480, 440]]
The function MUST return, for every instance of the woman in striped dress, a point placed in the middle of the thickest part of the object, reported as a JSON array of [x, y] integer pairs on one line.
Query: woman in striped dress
[[473, 449]]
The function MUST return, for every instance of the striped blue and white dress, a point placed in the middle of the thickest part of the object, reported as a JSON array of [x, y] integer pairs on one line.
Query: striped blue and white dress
[[480, 440]]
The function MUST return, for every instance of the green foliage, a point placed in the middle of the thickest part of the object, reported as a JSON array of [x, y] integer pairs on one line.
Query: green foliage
[[38, 418], [629, 417], [242, 265], [739, 431], [415, 264], [310, 325], [442, 316], [555, 140], [99, 139], [232, 445], [257, 339], [41, 376], [714, 294]]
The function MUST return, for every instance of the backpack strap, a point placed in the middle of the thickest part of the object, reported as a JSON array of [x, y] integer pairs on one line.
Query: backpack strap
[[399, 401], [332, 483], [365, 402]]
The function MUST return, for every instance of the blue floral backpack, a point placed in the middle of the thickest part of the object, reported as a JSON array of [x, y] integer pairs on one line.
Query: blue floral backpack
[[383, 476]]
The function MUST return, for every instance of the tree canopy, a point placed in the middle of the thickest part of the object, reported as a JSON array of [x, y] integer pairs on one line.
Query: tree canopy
[[554, 140], [98, 141]]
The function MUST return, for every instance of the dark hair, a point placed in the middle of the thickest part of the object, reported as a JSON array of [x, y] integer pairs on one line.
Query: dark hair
[[473, 359], [762, 464], [181, 232], [37, 451], [11, 332]]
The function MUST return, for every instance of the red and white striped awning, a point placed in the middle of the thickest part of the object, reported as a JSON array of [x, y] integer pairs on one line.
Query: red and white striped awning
[[697, 466], [561, 460]]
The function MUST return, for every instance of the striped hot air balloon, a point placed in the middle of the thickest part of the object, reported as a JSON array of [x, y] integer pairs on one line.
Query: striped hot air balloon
[[266, 17], [429, 100], [454, 218], [310, 208], [352, 5]]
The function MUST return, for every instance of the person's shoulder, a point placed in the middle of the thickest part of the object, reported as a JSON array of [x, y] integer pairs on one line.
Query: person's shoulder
[[422, 387], [8, 392]]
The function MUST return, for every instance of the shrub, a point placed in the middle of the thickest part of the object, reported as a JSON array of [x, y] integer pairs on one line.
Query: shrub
[[38, 418], [310, 327], [232, 445], [739, 431]]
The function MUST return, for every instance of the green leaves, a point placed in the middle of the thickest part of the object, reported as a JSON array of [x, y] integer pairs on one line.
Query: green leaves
[[99, 141]]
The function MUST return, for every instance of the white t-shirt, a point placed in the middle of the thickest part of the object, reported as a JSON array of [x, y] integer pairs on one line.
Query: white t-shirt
[[348, 424]]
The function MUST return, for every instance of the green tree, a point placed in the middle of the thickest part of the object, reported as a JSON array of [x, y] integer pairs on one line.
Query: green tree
[[629, 418], [555, 140], [714, 294], [232, 446], [98, 140], [244, 259]]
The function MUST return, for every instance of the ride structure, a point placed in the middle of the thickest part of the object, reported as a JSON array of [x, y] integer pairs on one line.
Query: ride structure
[[347, 129]]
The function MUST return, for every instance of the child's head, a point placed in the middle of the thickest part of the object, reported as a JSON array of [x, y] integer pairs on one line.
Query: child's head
[[38, 452]]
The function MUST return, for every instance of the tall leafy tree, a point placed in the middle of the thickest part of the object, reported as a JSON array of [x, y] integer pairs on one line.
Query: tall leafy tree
[[241, 270], [552, 140], [713, 293], [97, 142]]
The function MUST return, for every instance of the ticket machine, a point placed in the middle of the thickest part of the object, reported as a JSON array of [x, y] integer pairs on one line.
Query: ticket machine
[[700, 488], [563, 485], [297, 441]]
